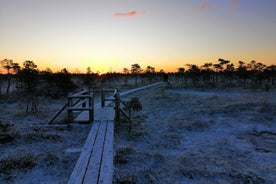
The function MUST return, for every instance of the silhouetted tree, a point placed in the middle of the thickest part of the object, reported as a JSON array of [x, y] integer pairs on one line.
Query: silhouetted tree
[[194, 73], [135, 70], [180, 73], [126, 72], [49, 79], [88, 78], [16, 69], [271, 74], [149, 72], [230, 68], [7, 64], [218, 69], [259, 73], [29, 75], [206, 72], [242, 72], [222, 63], [63, 82]]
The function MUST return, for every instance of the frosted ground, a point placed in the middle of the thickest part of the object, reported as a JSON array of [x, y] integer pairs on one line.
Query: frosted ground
[[199, 136], [180, 136]]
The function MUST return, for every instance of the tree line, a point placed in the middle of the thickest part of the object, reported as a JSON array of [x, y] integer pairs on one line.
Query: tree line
[[29, 79], [225, 73]]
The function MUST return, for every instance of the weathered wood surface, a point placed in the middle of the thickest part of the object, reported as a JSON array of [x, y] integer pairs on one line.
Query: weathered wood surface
[[104, 113], [95, 164]]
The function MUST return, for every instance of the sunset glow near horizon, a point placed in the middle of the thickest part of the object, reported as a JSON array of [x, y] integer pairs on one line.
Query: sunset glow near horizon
[[111, 35]]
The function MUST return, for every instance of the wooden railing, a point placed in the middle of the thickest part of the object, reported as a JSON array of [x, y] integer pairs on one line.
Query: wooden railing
[[103, 95], [77, 102], [121, 108], [80, 102]]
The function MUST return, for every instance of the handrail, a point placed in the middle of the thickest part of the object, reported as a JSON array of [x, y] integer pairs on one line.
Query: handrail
[[82, 98], [103, 97], [119, 110], [80, 105]]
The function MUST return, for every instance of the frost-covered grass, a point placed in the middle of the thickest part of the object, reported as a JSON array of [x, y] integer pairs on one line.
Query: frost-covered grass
[[180, 136], [199, 136]]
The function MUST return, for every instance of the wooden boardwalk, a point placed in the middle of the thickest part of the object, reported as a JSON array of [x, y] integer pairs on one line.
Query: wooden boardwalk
[[100, 113], [95, 164]]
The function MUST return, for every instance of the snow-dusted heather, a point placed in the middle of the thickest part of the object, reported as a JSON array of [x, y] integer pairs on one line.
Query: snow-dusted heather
[[180, 136], [31, 151], [199, 136]]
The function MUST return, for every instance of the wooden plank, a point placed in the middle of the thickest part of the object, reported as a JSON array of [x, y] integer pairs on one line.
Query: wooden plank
[[82, 163], [79, 108], [79, 96], [93, 169], [80, 93], [106, 172], [104, 113], [80, 102]]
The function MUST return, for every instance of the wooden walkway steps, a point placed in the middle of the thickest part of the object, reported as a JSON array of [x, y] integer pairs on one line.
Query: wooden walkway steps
[[95, 164]]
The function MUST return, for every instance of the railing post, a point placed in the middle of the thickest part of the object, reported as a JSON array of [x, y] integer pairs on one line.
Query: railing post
[[84, 103], [70, 112], [91, 107], [103, 97], [117, 107]]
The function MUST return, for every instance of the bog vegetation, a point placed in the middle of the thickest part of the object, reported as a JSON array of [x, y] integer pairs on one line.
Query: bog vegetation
[[29, 82]]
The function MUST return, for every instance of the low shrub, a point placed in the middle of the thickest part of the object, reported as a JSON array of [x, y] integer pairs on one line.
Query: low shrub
[[8, 133], [22, 161]]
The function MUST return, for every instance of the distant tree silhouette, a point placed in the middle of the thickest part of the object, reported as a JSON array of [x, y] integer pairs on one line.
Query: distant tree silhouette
[[16, 69], [88, 78], [259, 73], [10, 68], [126, 72], [48, 77], [256, 72], [29, 75], [135, 70], [242, 72], [63, 83], [150, 71], [194, 74], [207, 73], [270, 72], [181, 71], [222, 63], [229, 71], [218, 69]]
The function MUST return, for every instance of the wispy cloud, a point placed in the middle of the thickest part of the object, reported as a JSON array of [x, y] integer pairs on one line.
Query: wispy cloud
[[232, 5], [127, 14], [204, 6]]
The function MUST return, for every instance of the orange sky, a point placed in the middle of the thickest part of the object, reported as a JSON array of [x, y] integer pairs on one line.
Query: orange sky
[[109, 36]]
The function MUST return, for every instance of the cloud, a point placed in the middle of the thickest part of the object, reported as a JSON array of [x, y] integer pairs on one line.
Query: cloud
[[127, 14], [204, 6]]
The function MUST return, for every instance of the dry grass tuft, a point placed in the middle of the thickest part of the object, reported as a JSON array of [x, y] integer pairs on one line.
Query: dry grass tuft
[[22, 161], [8, 133], [122, 155]]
